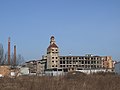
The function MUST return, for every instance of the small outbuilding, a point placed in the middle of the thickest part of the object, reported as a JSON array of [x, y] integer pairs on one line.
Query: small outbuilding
[[117, 68]]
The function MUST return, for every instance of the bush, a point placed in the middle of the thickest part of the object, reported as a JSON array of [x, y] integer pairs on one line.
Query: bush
[[71, 81]]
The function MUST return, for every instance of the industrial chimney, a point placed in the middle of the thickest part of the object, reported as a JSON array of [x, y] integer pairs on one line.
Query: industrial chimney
[[14, 55], [9, 51]]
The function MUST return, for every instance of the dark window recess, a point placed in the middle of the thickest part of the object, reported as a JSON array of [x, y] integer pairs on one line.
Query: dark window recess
[[82, 62], [94, 62], [67, 62], [91, 62], [60, 62], [98, 62], [63, 62], [83, 66], [52, 49], [63, 57], [85, 62], [88, 62]]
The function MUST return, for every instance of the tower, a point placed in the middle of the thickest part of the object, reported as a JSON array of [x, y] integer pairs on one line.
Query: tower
[[52, 54], [14, 55], [9, 51]]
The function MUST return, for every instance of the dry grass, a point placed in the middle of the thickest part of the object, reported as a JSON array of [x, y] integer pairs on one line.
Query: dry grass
[[68, 82]]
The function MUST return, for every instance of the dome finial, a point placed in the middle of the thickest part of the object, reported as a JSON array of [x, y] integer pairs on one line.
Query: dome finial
[[52, 37], [52, 40]]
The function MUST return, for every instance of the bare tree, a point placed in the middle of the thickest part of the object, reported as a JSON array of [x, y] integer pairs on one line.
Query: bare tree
[[12, 59], [1, 54], [5, 58], [19, 59]]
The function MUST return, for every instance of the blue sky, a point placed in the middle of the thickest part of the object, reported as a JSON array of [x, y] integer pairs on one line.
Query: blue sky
[[79, 26]]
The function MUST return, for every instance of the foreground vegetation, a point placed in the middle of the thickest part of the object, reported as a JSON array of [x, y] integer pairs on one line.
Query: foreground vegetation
[[72, 81]]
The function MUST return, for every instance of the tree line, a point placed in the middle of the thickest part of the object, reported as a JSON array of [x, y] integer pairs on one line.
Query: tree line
[[4, 57]]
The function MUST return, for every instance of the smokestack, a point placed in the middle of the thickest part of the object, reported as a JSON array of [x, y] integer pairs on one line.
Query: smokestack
[[14, 54], [9, 51]]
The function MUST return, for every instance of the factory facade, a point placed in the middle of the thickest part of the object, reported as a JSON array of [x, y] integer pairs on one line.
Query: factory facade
[[55, 62]]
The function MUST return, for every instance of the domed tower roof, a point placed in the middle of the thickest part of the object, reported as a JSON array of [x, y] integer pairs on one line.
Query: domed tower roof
[[53, 46]]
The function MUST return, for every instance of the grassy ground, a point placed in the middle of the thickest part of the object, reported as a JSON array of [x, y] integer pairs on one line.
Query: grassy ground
[[68, 82]]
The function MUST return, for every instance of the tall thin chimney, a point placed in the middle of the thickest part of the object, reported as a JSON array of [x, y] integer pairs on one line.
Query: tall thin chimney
[[9, 51], [14, 54]]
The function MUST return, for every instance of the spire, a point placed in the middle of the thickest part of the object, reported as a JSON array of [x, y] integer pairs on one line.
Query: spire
[[52, 43], [52, 40]]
